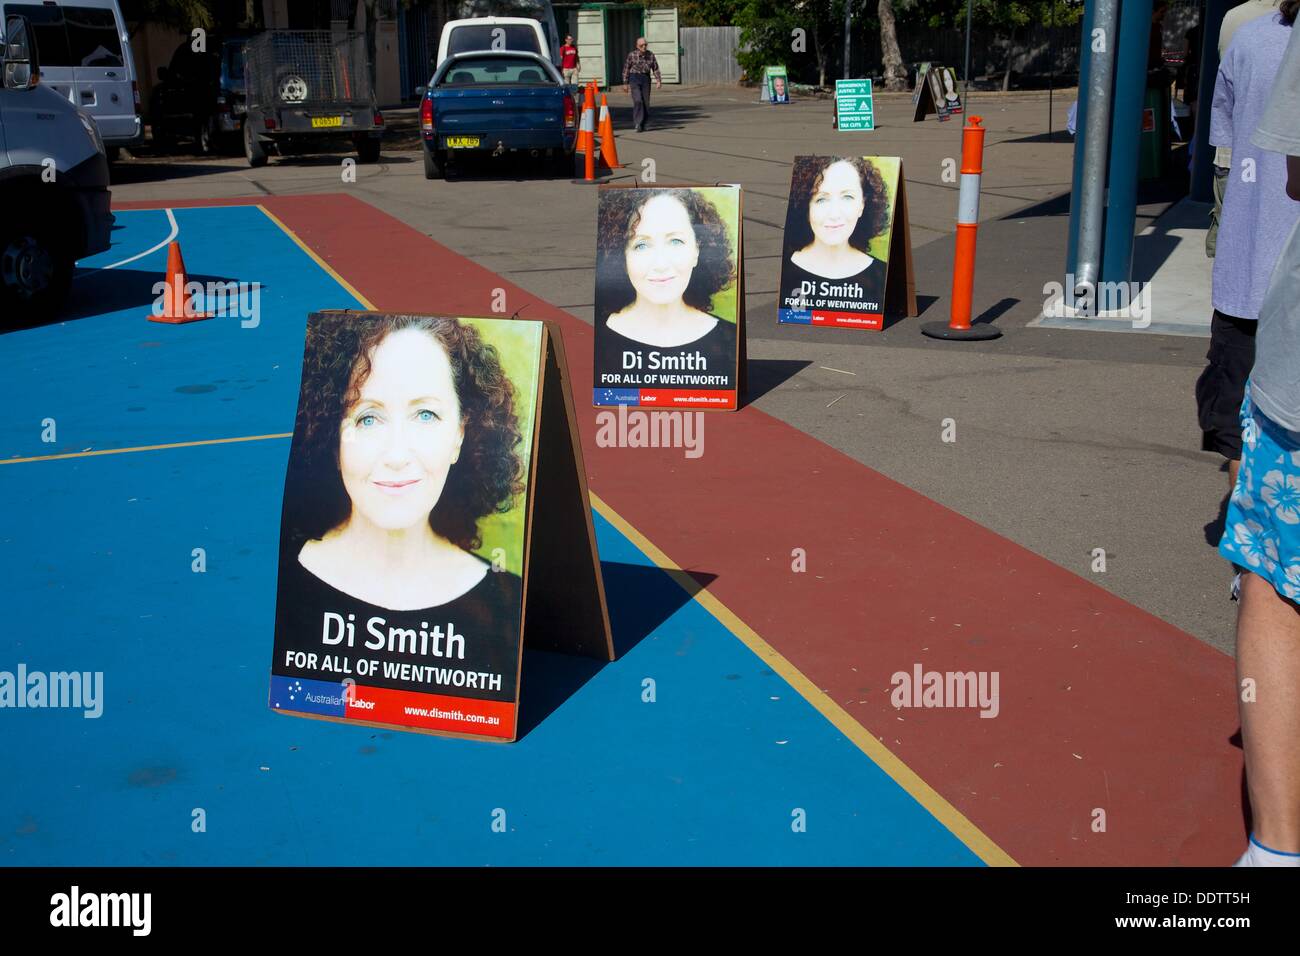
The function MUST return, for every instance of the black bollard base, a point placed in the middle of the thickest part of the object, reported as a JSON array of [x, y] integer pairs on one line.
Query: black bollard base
[[976, 333]]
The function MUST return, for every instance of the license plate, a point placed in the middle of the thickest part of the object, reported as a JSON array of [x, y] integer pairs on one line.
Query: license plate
[[462, 142], [318, 122]]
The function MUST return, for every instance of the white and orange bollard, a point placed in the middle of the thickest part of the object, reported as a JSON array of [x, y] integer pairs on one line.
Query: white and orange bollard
[[959, 325], [587, 135]]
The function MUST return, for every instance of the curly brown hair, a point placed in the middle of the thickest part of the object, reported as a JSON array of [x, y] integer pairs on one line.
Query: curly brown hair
[[617, 220], [336, 362], [1288, 9], [806, 179]]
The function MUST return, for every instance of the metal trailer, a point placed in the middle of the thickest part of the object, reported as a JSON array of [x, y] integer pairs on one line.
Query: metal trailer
[[306, 88]]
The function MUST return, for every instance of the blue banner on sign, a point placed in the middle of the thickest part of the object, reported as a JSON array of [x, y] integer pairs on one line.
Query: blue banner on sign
[[307, 696], [616, 396], [803, 317]]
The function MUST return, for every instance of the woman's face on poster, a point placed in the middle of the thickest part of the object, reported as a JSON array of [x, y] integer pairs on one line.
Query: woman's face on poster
[[837, 204], [662, 252], [400, 439]]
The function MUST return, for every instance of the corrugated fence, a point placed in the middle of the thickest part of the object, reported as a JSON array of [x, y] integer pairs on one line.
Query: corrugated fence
[[709, 54]]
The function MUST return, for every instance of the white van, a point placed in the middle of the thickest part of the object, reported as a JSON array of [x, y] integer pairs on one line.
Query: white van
[[54, 199], [517, 34], [85, 54]]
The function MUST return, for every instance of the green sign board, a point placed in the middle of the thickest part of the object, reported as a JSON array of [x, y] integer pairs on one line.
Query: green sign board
[[853, 109]]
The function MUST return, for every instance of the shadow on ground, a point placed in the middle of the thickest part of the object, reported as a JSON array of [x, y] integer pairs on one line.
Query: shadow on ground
[[641, 599]]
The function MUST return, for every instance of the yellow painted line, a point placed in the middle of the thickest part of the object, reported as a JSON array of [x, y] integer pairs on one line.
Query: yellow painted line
[[943, 811], [315, 258], [127, 451]]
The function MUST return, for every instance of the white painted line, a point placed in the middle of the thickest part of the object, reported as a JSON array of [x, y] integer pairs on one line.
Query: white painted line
[[175, 231]]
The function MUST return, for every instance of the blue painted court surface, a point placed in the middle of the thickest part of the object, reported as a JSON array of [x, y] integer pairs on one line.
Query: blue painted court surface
[[97, 558]]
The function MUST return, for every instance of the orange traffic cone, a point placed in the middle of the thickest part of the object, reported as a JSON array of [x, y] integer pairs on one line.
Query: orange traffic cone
[[177, 308], [608, 153]]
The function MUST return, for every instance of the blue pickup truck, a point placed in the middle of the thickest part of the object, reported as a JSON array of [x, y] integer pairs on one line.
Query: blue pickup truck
[[491, 102]]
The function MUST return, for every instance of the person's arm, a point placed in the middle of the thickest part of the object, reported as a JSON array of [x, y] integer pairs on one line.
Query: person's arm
[[1222, 103], [1293, 177], [626, 63], [1277, 129], [654, 68]]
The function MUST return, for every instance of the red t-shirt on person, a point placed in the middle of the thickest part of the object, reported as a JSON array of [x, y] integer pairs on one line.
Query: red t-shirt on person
[[568, 57]]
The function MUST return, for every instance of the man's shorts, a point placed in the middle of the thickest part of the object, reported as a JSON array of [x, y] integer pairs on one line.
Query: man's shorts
[[571, 76], [1262, 530], [1221, 386]]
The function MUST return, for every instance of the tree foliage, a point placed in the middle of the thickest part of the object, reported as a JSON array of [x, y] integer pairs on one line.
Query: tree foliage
[[184, 15]]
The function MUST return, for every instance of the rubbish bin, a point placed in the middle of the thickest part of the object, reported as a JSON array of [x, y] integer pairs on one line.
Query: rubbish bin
[[1153, 149]]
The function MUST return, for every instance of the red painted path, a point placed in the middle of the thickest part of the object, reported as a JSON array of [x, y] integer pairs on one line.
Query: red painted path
[[1103, 706]]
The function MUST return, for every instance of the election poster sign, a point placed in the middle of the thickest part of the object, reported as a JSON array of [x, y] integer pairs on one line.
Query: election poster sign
[[936, 92], [409, 572], [846, 256], [854, 107], [669, 297], [775, 85]]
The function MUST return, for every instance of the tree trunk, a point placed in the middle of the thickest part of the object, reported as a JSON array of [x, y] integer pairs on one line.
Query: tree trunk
[[1010, 53], [890, 55], [820, 54]]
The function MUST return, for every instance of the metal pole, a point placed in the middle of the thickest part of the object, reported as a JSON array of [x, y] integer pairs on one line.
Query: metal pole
[[848, 39], [1051, 69], [1202, 185], [1127, 99], [1096, 146], [966, 76]]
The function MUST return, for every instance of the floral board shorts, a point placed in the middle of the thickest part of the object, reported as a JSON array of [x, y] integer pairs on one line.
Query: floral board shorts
[[1262, 531]]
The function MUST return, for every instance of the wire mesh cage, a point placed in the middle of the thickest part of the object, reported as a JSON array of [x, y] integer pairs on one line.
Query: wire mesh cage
[[292, 68]]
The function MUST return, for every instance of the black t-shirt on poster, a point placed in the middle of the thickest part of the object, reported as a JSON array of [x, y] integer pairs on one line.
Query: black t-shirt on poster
[[487, 617], [870, 299], [713, 354]]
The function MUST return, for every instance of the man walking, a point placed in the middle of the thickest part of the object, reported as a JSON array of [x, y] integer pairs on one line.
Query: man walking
[[569, 62], [640, 64]]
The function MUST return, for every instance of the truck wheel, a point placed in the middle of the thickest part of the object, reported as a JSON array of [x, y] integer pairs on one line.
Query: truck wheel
[[367, 149], [35, 270], [254, 151], [435, 164]]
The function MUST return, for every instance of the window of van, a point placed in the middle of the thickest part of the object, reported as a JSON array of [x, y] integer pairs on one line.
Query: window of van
[[467, 39], [71, 35]]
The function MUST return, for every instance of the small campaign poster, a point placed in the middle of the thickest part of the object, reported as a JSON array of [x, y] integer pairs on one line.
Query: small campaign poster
[[854, 108], [846, 256], [921, 72], [404, 532], [775, 84], [669, 305], [936, 92]]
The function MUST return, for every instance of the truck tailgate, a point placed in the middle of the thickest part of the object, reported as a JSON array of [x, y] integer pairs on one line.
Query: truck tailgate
[[498, 109]]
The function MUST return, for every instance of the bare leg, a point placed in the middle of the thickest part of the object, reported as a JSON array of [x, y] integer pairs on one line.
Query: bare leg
[[1234, 466], [1268, 652]]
